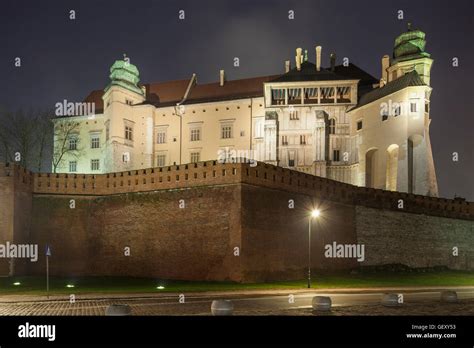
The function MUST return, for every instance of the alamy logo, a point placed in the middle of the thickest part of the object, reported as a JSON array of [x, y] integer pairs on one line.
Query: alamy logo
[[236, 156], [74, 109], [349, 251], [21, 251], [37, 331]]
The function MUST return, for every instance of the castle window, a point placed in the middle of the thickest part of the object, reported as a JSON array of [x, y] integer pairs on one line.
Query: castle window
[[384, 115], [161, 160], [302, 139], [107, 130], [95, 164], [73, 143], [413, 107], [95, 141], [128, 102], [284, 140], [195, 156], [294, 95], [359, 125], [397, 110], [291, 158], [161, 137], [278, 96], [73, 166], [226, 131], [294, 115], [427, 107], [332, 126], [129, 133], [126, 157], [335, 155], [195, 134], [311, 95]]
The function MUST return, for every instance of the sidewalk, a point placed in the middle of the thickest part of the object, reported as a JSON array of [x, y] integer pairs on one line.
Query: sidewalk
[[18, 298]]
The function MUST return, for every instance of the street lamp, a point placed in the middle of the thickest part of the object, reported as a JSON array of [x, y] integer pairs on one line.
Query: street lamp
[[314, 214]]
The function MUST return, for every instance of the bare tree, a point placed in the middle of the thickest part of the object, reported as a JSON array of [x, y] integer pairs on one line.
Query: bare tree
[[64, 131], [44, 138]]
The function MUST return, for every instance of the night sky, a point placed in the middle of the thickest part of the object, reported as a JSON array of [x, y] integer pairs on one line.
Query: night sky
[[66, 59]]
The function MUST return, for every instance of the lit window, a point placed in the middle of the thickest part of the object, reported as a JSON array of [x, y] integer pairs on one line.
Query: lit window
[[107, 131], [161, 137], [332, 126], [226, 131], [95, 164], [294, 115], [128, 133], [195, 156], [161, 160], [195, 134], [73, 144], [73, 166], [126, 157], [397, 110], [95, 142]]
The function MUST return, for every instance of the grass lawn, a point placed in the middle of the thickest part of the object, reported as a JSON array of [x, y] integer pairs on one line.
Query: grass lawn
[[37, 285]]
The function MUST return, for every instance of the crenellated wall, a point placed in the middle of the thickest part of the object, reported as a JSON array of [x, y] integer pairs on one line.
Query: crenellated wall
[[185, 222]]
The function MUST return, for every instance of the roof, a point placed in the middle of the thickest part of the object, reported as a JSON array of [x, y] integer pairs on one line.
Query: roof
[[171, 92], [410, 79], [308, 72]]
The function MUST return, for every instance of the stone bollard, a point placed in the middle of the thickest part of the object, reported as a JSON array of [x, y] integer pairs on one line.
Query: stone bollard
[[321, 303], [390, 300], [449, 296], [222, 307], [118, 310]]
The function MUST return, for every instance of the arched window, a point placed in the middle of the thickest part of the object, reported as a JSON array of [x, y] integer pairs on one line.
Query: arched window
[[332, 126]]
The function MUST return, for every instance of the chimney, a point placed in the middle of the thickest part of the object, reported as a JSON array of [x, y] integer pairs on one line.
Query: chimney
[[385, 65], [332, 59], [221, 78], [318, 58], [298, 58], [287, 66]]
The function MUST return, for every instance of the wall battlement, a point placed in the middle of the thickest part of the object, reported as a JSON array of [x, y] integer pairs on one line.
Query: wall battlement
[[213, 173]]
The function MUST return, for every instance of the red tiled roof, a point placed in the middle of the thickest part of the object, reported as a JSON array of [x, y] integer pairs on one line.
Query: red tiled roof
[[172, 92]]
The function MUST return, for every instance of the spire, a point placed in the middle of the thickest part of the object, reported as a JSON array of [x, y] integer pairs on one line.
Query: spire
[[124, 74]]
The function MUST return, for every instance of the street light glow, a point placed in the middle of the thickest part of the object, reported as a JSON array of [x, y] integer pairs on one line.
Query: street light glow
[[161, 287], [69, 286], [17, 283], [315, 213]]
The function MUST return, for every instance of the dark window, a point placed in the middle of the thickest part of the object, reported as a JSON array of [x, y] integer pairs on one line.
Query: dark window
[[332, 126], [335, 155], [359, 125]]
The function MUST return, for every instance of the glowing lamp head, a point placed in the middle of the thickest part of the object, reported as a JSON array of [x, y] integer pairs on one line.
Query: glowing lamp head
[[315, 213]]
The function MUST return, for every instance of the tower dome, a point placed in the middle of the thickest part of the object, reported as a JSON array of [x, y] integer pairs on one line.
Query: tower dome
[[126, 75], [410, 45]]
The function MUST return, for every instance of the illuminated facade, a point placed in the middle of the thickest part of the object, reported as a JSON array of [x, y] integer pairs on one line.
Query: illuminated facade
[[337, 122]]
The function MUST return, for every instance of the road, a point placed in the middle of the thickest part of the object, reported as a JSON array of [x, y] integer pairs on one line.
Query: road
[[199, 304]]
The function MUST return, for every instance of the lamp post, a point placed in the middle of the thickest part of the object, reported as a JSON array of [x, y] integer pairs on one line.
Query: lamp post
[[314, 214]]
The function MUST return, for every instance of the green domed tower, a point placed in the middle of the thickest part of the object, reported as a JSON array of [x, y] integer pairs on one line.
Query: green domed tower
[[126, 75], [409, 54]]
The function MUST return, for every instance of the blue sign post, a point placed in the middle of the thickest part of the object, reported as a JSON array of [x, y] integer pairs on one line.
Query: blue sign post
[[48, 254]]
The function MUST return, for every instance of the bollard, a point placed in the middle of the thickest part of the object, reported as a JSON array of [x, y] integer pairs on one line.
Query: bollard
[[390, 300], [118, 310], [321, 303], [222, 307], [449, 296]]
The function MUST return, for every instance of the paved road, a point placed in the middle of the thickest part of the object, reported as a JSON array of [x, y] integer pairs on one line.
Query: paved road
[[200, 304]]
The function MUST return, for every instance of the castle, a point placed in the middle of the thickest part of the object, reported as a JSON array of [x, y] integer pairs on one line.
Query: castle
[[337, 122]]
